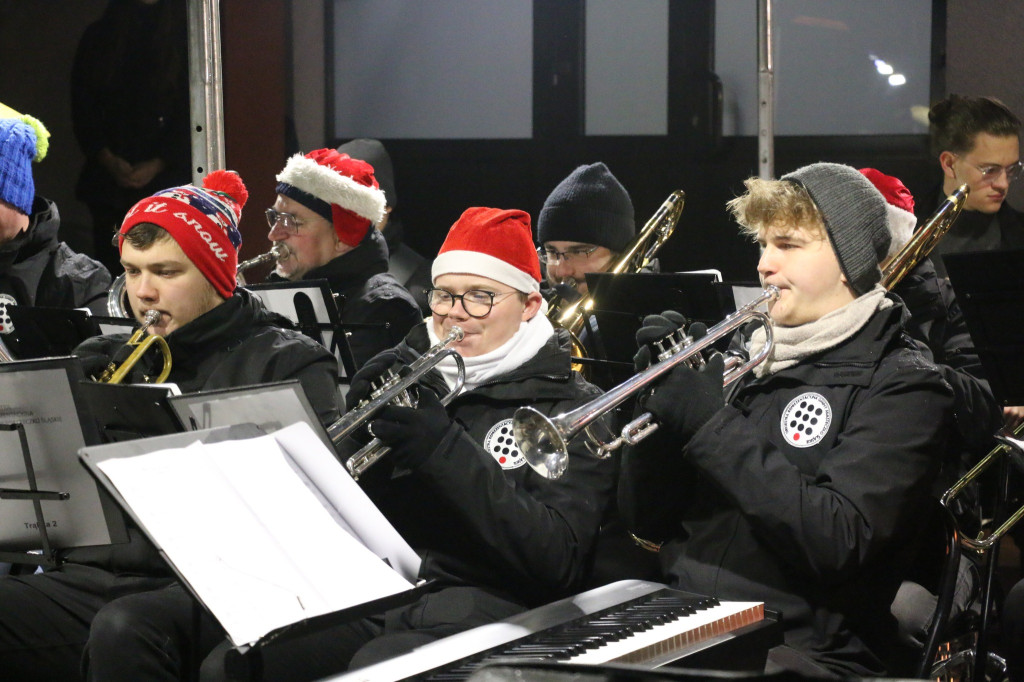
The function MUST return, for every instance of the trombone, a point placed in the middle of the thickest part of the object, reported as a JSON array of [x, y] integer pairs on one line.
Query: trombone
[[395, 389], [544, 441], [115, 373], [925, 238]]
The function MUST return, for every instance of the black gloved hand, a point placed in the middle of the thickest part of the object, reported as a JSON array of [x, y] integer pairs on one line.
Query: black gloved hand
[[369, 374], [655, 328], [687, 398], [412, 433]]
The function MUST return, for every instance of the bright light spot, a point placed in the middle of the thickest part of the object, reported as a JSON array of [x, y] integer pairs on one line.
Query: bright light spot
[[883, 67], [897, 79]]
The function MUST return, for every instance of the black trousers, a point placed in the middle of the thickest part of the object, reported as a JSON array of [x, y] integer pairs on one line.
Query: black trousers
[[45, 618]]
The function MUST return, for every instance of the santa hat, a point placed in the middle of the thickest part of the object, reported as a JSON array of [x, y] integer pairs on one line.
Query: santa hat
[[493, 243], [23, 139], [341, 189], [899, 207], [203, 221]]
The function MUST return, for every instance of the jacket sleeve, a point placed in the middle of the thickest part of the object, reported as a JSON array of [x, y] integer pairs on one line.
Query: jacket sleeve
[[540, 532], [867, 490], [314, 367]]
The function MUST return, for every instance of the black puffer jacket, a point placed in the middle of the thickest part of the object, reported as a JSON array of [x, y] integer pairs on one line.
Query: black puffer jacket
[[37, 269], [477, 514], [368, 295], [807, 491]]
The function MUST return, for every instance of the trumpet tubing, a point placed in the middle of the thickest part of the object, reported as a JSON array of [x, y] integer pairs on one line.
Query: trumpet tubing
[[544, 441], [395, 390], [115, 374], [925, 238]]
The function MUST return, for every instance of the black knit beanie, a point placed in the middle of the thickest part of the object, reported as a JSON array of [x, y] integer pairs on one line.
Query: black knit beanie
[[854, 213], [590, 206], [373, 152]]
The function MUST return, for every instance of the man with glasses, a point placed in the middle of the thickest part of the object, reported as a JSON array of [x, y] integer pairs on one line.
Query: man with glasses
[[585, 222], [326, 204], [496, 537], [976, 141]]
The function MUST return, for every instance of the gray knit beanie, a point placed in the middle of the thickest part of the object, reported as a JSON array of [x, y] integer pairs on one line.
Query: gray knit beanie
[[589, 206], [854, 213]]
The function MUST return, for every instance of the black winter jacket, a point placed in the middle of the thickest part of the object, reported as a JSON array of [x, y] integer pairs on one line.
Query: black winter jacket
[[806, 491], [500, 527], [37, 269], [368, 295]]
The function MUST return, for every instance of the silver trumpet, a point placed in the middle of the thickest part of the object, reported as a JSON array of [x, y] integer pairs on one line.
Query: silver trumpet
[[5, 353], [544, 441], [395, 390], [117, 295]]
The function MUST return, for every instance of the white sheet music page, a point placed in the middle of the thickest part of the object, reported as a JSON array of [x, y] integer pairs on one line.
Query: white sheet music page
[[248, 534]]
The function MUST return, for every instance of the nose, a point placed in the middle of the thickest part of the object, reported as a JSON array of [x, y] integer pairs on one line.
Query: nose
[[766, 264], [144, 287], [560, 269], [1001, 181], [277, 233]]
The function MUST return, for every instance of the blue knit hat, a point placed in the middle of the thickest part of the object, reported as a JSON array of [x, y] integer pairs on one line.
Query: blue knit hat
[[23, 139]]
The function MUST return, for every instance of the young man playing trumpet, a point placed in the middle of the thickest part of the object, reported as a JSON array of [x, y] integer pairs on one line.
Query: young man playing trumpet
[[807, 485], [496, 538], [179, 251]]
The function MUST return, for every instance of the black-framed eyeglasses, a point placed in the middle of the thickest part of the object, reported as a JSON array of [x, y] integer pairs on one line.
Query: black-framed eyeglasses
[[990, 172], [476, 302], [574, 254], [288, 222]]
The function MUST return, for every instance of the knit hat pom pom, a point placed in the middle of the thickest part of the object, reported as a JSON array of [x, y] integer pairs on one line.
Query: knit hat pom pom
[[42, 136], [229, 183]]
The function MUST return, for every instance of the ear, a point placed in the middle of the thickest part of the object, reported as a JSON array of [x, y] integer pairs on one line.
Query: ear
[[946, 160], [533, 301]]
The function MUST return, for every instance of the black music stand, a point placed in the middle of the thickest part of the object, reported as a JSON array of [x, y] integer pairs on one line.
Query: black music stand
[[43, 415], [989, 287], [128, 411], [310, 305], [48, 332]]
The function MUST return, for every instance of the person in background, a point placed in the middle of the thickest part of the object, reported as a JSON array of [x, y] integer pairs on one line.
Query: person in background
[[976, 141], [130, 111], [327, 202], [410, 268], [36, 268]]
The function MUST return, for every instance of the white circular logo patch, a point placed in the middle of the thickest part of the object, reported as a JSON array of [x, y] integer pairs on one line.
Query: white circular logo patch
[[500, 442], [6, 326], [806, 419]]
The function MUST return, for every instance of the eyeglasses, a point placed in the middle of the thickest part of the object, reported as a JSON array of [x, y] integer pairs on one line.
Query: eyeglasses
[[575, 254], [476, 302], [288, 222], [990, 172]]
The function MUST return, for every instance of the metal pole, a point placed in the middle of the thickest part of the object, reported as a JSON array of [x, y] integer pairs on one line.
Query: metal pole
[[765, 92], [206, 103]]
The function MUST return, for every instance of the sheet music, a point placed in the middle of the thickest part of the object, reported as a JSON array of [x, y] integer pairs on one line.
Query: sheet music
[[255, 544]]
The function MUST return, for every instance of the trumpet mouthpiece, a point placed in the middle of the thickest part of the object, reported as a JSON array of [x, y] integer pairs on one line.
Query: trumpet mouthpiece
[[457, 333], [151, 318]]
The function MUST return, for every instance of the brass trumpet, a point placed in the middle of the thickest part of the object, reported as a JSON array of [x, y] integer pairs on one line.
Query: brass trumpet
[[115, 374], [117, 295], [396, 390], [544, 441]]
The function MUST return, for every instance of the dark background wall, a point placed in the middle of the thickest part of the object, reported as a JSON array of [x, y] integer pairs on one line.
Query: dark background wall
[[277, 87]]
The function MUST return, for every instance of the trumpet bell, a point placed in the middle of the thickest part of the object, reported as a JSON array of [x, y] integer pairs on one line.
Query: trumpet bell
[[541, 442]]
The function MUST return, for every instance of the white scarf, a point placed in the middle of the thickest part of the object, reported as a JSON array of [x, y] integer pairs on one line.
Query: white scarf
[[524, 344], [793, 344]]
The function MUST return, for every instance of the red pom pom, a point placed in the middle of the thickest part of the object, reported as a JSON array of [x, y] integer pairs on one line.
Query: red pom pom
[[228, 182]]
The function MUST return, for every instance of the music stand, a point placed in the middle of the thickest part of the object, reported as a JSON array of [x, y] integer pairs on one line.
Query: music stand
[[310, 306], [44, 420], [269, 406], [989, 290], [47, 332], [128, 411]]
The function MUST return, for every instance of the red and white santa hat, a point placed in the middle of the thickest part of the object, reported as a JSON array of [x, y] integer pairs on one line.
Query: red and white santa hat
[[341, 189], [899, 207], [494, 243]]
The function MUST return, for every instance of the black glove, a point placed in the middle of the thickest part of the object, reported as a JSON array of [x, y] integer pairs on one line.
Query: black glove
[[687, 398], [369, 374], [412, 433], [655, 328]]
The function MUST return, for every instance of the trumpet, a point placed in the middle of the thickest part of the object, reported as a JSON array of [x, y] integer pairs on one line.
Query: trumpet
[[544, 441], [396, 389], [117, 296], [115, 374]]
